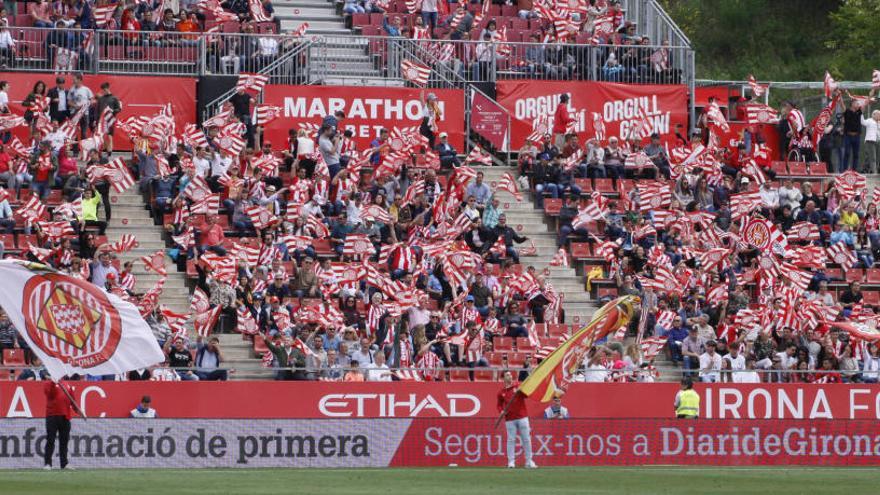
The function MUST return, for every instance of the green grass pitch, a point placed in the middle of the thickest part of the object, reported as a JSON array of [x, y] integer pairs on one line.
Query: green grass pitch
[[446, 481]]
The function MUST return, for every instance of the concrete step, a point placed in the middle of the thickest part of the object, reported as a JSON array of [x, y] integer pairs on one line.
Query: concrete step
[[306, 13], [311, 4], [132, 221], [373, 81]]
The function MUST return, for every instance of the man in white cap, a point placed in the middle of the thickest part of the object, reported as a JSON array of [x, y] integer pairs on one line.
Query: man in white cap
[[448, 155]]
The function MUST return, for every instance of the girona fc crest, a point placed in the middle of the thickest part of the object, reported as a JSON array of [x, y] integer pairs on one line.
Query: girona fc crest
[[71, 320], [757, 235]]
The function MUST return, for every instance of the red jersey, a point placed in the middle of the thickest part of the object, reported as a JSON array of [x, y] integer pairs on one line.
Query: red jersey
[[57, 404], [517, 409], [561, 119]]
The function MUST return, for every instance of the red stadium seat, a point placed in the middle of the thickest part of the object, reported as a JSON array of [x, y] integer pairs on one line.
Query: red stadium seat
[[260, 346], [818, 168], [323, 247], [605, 186], [779, 167], [482, 375], [552, 206], [557, 330], [459, 375], [495, 359], [580, 250], [8, 241], [7, 375], [502, 344], [606, 292], [855, 275], [797, 168], [13, 357], [873, 276], [871, 297], [523, 344], [516, 359]]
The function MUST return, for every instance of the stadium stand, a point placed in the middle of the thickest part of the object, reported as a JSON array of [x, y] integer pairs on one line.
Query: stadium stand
[[445, 261]]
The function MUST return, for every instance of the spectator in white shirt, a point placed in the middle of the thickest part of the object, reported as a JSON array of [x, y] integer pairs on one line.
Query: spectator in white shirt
[[872, 141], [7, 46], [748, 376], [556, 410], [378, 371], [202, 162], [735, 362], [769, 197], [710, 364], [871, 365], [790, 196]]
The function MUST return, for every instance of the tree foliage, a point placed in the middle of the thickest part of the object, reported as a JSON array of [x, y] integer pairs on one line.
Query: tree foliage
[[781, 40]]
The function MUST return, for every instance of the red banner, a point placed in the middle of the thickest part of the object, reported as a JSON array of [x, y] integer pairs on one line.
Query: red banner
[[620, 106], [267, 399], [488, 119], [140, 95], [585, 442], [367, 110]]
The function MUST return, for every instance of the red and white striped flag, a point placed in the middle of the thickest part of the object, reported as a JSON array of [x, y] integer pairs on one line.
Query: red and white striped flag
[[103, 14], [561, 258], [258, 14], [197, 189], [717, 294], [317, 227], [56, 230], [32, 210], [251, 83], [875, 79], [830, 85], [194, 137], [757, 89], [415, 73], [247, 324], [376, 213], [266, 114], [300, 31], [204, 316], [175, 321], [125, 244], [842, 255], [412, 192], [508, 184], [714, 258], [850, 183], [477, 155], [761, 114], [260, 216], [652, 346], [229, 140], [598, 127], [209, 205], [155, 262], [804, 231], [357, 246], [120, 177], [185, 240]]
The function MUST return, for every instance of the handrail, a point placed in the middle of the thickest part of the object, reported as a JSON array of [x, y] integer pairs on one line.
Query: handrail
[[212, 107]]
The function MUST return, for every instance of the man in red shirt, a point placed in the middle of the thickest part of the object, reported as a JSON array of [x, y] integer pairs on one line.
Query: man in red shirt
[[516, 420], [58, 414], [561, 119], [212, 236]]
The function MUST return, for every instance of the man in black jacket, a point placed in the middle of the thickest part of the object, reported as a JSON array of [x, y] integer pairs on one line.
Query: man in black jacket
[[448, 155], [567, 214], [504, 231], [58, 101]]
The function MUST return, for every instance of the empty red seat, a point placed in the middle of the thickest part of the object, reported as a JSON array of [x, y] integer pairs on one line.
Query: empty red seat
[[552, 206], [606, 292], [605, 185], [779, 167], [260, 346], [503, 343], [557, 329], [459, 375], [873, 276], [871, 297], [818, 168], [13, 357], [523, 344], [484, 375], [797, 168], [855, 275], [516, 359], [580, 250]]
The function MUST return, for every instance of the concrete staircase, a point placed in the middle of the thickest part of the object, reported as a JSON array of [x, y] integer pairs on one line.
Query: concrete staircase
[[321, 15], [340, 57], [238, 355], [529, 221], [131, 216]]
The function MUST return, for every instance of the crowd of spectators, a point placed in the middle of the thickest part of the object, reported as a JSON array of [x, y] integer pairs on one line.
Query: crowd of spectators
[[676, 226], [558, 39]]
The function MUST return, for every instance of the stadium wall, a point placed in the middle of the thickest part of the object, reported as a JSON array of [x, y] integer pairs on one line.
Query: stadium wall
[[343, 400], [217, 443]]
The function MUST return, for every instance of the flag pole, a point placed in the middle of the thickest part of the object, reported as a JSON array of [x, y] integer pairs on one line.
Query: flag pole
[[72, 401], [504, 411]]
